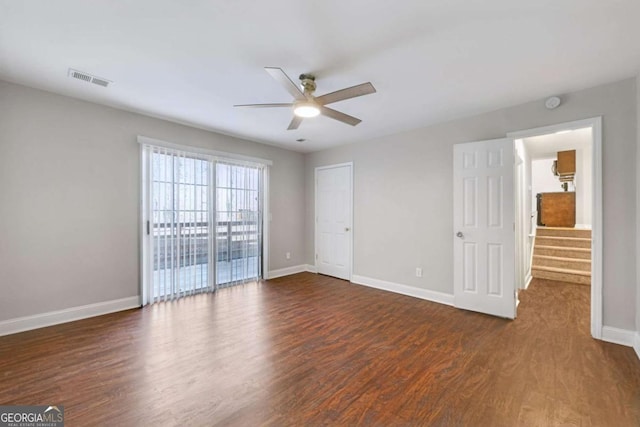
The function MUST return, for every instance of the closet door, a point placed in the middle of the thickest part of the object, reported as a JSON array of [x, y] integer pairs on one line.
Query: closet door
[[334, 207]]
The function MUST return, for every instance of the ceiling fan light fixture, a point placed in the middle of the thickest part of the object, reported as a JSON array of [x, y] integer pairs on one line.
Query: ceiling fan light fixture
[[306, 109], [305, 104]]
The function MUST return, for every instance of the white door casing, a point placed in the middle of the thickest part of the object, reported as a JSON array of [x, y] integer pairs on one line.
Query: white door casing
[[334, 208], [483, 235], [595, 123]]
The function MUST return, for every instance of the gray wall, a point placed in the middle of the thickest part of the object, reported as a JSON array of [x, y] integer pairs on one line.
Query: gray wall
[[69, 199], [403, 193]]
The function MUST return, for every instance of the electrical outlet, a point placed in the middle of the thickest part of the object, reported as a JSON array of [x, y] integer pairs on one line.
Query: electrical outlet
[[418, 272], [288, 255]]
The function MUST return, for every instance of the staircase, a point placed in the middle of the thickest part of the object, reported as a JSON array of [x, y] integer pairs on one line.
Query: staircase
[[562, 254]]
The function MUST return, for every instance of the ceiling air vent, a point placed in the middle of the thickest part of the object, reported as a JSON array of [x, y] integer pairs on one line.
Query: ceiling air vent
[[86, 77], [101, 82]]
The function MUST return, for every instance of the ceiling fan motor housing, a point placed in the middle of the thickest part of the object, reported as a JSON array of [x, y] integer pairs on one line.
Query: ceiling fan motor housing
[[308, 82]]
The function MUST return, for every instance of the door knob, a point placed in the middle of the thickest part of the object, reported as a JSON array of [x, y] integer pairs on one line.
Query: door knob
[[347, 229], [459, 234]]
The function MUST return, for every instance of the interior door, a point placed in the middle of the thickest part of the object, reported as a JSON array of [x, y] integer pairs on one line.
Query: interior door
[[333, 220], [483, 219]]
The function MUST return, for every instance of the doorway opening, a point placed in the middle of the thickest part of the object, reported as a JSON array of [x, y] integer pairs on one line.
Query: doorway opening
[[559, 208]]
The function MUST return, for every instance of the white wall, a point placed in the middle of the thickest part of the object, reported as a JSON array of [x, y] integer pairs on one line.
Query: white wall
[[69, 199], [413, 171], [542, 179]]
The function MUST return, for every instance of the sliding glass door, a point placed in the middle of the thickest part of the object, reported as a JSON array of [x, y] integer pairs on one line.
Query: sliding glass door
[[238, 223], [203, 223], [179, 224]]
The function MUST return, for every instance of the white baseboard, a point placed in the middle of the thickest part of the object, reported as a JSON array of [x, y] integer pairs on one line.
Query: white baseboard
[[528, 280], [21, 324], [433, 296], [281, 272], [312, 268], [636, 344], [618, 336]]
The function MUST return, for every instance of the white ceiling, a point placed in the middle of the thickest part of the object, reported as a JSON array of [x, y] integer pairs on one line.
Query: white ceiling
[[429, 60], [547, 146]]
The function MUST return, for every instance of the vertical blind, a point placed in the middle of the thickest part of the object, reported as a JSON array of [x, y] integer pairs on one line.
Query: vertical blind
[[238, 223], [203, 218]]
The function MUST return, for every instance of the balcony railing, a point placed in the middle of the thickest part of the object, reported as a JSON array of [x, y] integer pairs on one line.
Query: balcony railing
[[186, 244]]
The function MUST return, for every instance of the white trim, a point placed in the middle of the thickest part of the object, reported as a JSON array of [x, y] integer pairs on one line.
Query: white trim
[[595, 123], [315, 214], [287, 271], [146, 244], [545, 130], [636, 344], [337, 165], [425, 294], [266, 221], [618, 336], [597, 234], [583, 226], [532, 245], [27, 323], [528, 280], [520, 225], [222, 155]]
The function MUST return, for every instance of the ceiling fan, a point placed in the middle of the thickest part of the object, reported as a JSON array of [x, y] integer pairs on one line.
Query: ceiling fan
[[306, 105]]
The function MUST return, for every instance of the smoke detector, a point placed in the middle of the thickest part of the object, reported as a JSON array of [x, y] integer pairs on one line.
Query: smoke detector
[[89, 78], [552, 102]]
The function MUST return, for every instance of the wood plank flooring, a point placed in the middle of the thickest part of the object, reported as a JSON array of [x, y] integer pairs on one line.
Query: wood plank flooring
[[312, 350]]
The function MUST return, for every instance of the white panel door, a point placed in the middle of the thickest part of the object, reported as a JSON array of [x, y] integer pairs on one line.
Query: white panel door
[[333, 220], [483, 220]]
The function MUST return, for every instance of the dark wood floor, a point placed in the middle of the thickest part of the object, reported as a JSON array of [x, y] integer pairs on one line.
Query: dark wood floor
[[312, 350]]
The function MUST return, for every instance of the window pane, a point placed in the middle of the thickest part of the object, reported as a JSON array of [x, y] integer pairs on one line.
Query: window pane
[[222, 175]]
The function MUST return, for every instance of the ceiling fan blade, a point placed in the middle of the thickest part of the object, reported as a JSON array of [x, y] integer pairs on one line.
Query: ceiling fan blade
[[337, 115], [295, 122], [286, 82], [350, 92], [264, 105]]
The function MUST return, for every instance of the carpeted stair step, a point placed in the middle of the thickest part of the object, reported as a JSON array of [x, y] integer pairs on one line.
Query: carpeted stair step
[[563, 251], [572, 242], [562, 275], [562, 262], [564, 232]]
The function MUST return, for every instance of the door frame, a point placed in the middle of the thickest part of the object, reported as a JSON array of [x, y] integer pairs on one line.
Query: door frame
[[266, 221], [595, 123], [144, 240], [315, 214], [518, 177]]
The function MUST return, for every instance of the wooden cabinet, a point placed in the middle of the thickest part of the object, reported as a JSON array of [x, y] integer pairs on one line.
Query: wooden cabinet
[[558, 209], [566, 163]]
